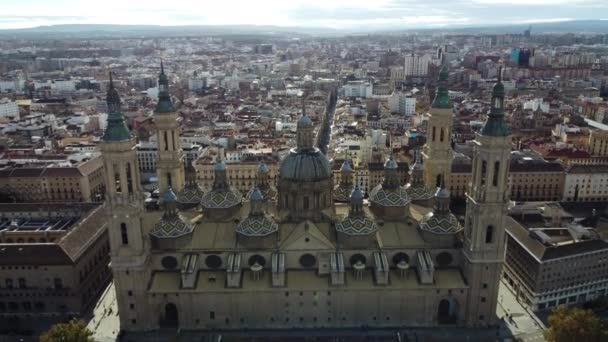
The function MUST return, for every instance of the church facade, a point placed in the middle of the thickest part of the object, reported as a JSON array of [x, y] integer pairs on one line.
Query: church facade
[[308, 253]]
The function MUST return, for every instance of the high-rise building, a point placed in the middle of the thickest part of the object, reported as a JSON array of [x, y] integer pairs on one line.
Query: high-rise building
[[402, 103], [416, 65]]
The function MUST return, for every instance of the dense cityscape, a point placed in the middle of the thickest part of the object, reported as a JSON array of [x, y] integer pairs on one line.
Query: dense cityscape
[[407, 186]]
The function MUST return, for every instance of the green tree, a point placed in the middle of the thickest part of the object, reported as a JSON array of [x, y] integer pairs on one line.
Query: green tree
[[73, 331], [575, 325]]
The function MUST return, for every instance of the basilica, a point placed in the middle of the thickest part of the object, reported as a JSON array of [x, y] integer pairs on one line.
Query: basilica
[[306, 252]]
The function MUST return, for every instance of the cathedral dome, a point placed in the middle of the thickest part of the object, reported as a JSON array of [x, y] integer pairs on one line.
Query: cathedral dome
[[440, 223], [305, 166], [305, 122], [171, 224], [382, 196]]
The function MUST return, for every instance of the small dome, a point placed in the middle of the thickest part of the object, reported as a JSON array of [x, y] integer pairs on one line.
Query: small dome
[[268, 192], [357, 194], [169, 196], [256, 195], [346, 167], [263, 168], [419, 192], [219, 199], [384, 197], [257, 226], [440, 224], [171, 225], [191, 194], [304, 122], [391, 164], [307, 166], [356, 226]]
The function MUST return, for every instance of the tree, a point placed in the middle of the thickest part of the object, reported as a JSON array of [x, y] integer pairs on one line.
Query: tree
[[73, 331], [576, 325]]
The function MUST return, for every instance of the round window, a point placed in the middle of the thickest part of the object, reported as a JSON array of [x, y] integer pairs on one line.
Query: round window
[[257, 258], [356, 258], [399, 257], [169, 262], [308, 260], [444, 259], [213, 261]]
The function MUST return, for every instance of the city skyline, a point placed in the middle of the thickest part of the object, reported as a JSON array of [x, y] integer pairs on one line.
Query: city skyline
[[348, 15]]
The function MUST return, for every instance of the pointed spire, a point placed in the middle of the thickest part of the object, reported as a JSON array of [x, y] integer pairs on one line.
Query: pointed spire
[[442, 98], [116, 129], [164, 105], [495, 124]]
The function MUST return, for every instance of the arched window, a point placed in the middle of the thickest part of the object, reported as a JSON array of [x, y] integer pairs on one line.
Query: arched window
[[495, 176], [123, 234], [489, 234], [166, 141], [441, 134], [433, 133]]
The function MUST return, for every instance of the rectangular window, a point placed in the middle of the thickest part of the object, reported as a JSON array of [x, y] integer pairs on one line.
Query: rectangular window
[[489, 234], [211, 314]]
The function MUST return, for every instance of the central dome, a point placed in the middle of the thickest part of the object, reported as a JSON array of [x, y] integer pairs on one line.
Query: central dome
[[305, 166]]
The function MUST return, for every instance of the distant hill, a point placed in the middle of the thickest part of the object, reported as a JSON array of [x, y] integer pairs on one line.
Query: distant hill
[[99, 30], [127, 31]]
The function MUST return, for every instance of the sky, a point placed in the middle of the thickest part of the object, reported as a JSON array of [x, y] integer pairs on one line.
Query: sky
[[339, 14]]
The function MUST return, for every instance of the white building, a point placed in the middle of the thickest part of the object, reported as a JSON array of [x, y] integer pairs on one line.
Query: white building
[[585, 183], [417, 65], [402, 103], [63, 85], [196, 84], [8, 109], [358, 89], [13, 86]]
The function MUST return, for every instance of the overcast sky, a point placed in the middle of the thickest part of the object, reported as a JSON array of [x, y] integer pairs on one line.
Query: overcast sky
[[348, 14]]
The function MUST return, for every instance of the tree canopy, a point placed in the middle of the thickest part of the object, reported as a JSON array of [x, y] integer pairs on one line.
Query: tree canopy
[[575, 325], [73, 331]]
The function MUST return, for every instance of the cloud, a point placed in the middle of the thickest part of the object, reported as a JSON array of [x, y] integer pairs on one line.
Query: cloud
[[351, 14]]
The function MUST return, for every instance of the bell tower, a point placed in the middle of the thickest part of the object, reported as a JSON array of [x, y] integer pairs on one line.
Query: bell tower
[[487, 202], [124, 205], [437, 152], [170, 164]]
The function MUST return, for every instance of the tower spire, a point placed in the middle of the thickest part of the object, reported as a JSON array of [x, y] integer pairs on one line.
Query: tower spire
[[164, 105], [442, 99], [116, 129], [495, 125]]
